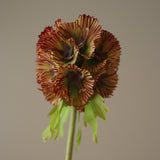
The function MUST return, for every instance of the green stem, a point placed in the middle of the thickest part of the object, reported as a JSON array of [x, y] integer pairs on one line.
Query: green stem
[[71, 134]]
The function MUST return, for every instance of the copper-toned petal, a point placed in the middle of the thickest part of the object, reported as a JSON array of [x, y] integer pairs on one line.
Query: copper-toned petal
[[42, 66], [49, 95], [106, 54], [45, 76], [55, 49], [48, 77], [45, 38], [57, 24], [46, 72], [69, 30], [44, 63], [64, 52], [93, 64], [84, 31], [44, 60], [106, 83], [47, 33], [76, 59], [91, 30], [107, 47], [74, 84]]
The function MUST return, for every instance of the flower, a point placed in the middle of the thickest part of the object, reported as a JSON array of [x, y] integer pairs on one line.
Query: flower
[[77, 66], [75, 85], [84, 31], [77, 61]]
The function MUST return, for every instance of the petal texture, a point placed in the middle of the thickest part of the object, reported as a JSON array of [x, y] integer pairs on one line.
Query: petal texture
[[106, 83], [74, 84], [107, 53], [77, 60], [84, 31]]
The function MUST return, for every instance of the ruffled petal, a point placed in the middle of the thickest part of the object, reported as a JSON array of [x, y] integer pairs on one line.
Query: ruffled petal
[[64, 52], [84, 31], [91, 30], [69, 30], [93, 64], [74, 84], [47, 77], [46, 73], [45, 39], [106, 54], [58, 50], [49, 95], [107, 47], [106, 83], [57, 24], [44, 63], [76, 59]]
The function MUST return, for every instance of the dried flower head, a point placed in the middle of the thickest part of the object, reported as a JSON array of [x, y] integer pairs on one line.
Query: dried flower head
[[77, 66], [76, 61]]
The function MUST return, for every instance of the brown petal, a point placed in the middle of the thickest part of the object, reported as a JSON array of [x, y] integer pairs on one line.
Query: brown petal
[[106, 83], [74, 84]]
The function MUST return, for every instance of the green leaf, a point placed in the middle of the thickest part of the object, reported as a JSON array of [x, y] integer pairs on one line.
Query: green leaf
[[78, 138], [97, 102], [59, 117], [62, 104], [46, 134], [64, 119], [52, 111], [55, 121], [95, 107], [90, 118], [57, 131]]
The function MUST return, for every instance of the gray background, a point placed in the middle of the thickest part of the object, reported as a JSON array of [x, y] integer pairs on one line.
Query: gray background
[[132, 129]]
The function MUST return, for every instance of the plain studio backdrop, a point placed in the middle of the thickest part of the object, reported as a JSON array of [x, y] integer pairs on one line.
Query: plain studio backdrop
[[132, 129]]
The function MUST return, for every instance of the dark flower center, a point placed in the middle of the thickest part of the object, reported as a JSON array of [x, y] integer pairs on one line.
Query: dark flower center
[[68, 53], [74, 78]]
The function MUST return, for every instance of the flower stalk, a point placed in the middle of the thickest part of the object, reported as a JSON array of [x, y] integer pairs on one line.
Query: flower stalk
[[71, 132]]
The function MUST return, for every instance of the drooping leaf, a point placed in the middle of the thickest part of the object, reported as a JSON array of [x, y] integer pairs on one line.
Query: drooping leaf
[[52, 111], [57, 131], [59, 117], [97, 103], [55, 121], [46, 134], [90, 118], [78, 138], [64, 118], [61, 105]]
